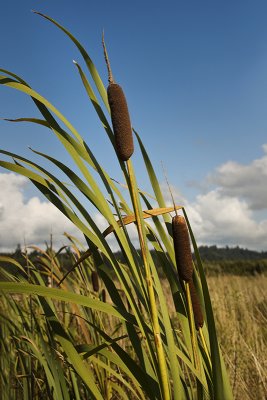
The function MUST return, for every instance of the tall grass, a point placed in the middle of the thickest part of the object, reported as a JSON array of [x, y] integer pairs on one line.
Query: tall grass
[[59, 338], [240, 308]]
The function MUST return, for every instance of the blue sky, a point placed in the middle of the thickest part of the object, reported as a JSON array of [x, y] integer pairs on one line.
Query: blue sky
[[195, 77]]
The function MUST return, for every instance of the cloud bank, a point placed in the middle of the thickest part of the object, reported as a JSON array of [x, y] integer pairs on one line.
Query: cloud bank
[[226, 220], [232, 210], [28, 221], [248, 182]]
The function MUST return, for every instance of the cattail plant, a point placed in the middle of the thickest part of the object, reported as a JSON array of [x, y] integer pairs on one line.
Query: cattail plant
[[124, 146], [182, 248], [103, 295], [95, 281], [167, 363], [119, 115], [196, 306], [184, 262]]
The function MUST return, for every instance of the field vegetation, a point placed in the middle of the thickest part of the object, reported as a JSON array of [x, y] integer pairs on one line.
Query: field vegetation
[[137, 327], [240, 306], [239, 303]]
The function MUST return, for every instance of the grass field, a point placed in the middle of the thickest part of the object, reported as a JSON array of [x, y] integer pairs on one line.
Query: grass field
[[240, 306]]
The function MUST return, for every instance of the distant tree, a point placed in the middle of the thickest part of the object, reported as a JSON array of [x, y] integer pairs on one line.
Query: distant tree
[[18, 251]]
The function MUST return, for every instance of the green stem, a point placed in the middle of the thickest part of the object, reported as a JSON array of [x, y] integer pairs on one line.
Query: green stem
[[204, 344], [192, 327], [151, 294]]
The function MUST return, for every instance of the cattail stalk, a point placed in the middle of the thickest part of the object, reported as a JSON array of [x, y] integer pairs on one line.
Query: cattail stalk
[[120, 117], [184, 263], [182, 248], [204, 345], [198, 315], [124, 147], [103, 295], [192, 327], [95, 281], [151, 294]]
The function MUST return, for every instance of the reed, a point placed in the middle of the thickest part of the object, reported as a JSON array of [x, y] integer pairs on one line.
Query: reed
[[120, 342], [95, 281], [119, 115], [182, 248], [198, 314]]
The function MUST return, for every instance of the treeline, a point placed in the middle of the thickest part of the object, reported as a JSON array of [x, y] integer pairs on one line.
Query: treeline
[[236, 267], [214, 253], [216, 260], [233, 260]]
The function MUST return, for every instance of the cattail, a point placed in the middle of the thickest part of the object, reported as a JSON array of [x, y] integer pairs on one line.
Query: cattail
[[182, 248], [103, 295], [119, 115], [120, 121], [95, 281], [198, 315]]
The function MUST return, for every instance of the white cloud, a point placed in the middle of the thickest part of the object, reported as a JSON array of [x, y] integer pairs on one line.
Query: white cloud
[[220, 219], [245, 181], [228, 213], [29, 221], [225, 215], [33, 220]]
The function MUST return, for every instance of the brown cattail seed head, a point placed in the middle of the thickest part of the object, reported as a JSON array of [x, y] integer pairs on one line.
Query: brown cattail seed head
[[198, 315], [120, 121], [103, 295], [182, 248], [95, 281]]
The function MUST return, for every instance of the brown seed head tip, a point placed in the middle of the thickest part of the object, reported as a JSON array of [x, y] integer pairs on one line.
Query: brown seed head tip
[[198, 315], [182, 248], [95, 281], [120, 121]]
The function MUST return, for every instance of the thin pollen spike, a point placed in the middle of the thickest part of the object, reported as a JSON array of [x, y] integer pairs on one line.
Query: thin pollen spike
[[110, 76], [165, 175]]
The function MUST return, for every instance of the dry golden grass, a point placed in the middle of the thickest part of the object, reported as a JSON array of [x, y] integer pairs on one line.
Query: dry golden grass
[[240, 307]]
